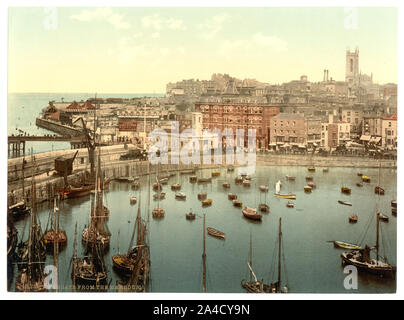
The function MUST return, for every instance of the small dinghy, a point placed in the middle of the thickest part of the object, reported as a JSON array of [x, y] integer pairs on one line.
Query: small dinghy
[[353, 218], [226, 185], [263, 208], [290, 204], [232, 196], [237, 203], [251, 213], [345, 245], [263, 188], [346, 203], [206, 203], [133, 200], [307, 189], [180, 196], [216, 233], [202, 196]]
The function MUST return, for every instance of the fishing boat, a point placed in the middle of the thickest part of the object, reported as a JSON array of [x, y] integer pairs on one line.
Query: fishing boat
[[135, 185], [75, 192], [230, 169], [251, 213], [358, 184], [325, 170], [309, 178], [394, 211], [163, 181], [31, 276], [394, 203], [215, 174], [180, 196], [258, 286], [206, 203], [311, 169], [176, 186], [226, 185], [345, 245], [353, 218], [97, 230], [307, 189], [247, 183], [286, 196], [312, 184], [135, 263], [346, 190], [379, 190], [202, 196], [157, 186], [133, 200], [263, 207], [215, 233], [159, 196], [290, 178], [346, 203], [204, 180], [263, 188], [89, 270], [238, 180], [190, 215], [290, 204], [158, 213], [19, 210], [237, 203], [362, 259], [366, 179], [193, 179], [55, 235], [232, 196], [247, 177]]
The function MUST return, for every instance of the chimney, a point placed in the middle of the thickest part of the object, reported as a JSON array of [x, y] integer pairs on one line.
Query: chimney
[[325, 76]]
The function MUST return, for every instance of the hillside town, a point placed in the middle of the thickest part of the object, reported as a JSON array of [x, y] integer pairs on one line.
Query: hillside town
[[354, 116]]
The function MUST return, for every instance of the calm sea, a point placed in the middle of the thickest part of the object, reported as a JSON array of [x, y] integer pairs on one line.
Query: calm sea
[[23, 108], [311, 264]]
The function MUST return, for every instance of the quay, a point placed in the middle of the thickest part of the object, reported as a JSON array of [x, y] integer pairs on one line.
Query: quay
[[20, 170]]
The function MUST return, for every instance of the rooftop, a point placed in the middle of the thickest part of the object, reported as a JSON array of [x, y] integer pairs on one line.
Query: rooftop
[[289, 116]]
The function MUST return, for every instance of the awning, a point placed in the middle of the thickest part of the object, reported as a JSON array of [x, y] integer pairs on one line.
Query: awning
[[375, 139], [365, 138]]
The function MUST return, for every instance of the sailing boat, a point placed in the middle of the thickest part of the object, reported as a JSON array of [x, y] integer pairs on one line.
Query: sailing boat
[[259, 286], [136, 257], [55, 235], [278, 186], [177, 185], [97, 231], [361, 258], [32, 276], [89, 270]]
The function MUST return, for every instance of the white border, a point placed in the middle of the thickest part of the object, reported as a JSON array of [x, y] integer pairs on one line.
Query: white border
[[207, 3]]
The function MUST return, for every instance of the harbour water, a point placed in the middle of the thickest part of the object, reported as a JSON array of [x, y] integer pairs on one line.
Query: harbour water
[[312, 264]]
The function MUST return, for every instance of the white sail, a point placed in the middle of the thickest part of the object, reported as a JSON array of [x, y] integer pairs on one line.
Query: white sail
[[278, 187]]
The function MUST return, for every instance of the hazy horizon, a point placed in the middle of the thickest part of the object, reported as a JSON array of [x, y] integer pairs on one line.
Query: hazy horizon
[[141, 49]]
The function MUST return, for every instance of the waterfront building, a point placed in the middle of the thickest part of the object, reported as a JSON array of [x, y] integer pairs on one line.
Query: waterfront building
[[288, 129], [389, 132], [239, 115]]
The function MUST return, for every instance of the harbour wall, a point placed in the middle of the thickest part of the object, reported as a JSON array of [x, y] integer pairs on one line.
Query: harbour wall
[[58, 127], [48, 183]]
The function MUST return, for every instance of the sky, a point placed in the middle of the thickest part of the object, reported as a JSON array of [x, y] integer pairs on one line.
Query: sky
[[140, 50]]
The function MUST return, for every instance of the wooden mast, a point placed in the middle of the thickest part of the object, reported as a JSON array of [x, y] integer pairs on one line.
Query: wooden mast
[[279, 254], [74, 255], [55, 244], [378, 216], [250, 255], [204, 258]]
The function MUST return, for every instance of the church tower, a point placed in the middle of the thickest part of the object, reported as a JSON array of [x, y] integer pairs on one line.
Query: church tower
[[352, 66]]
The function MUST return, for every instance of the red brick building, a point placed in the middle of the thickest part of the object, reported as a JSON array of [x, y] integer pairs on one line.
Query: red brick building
[[239, 116]]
